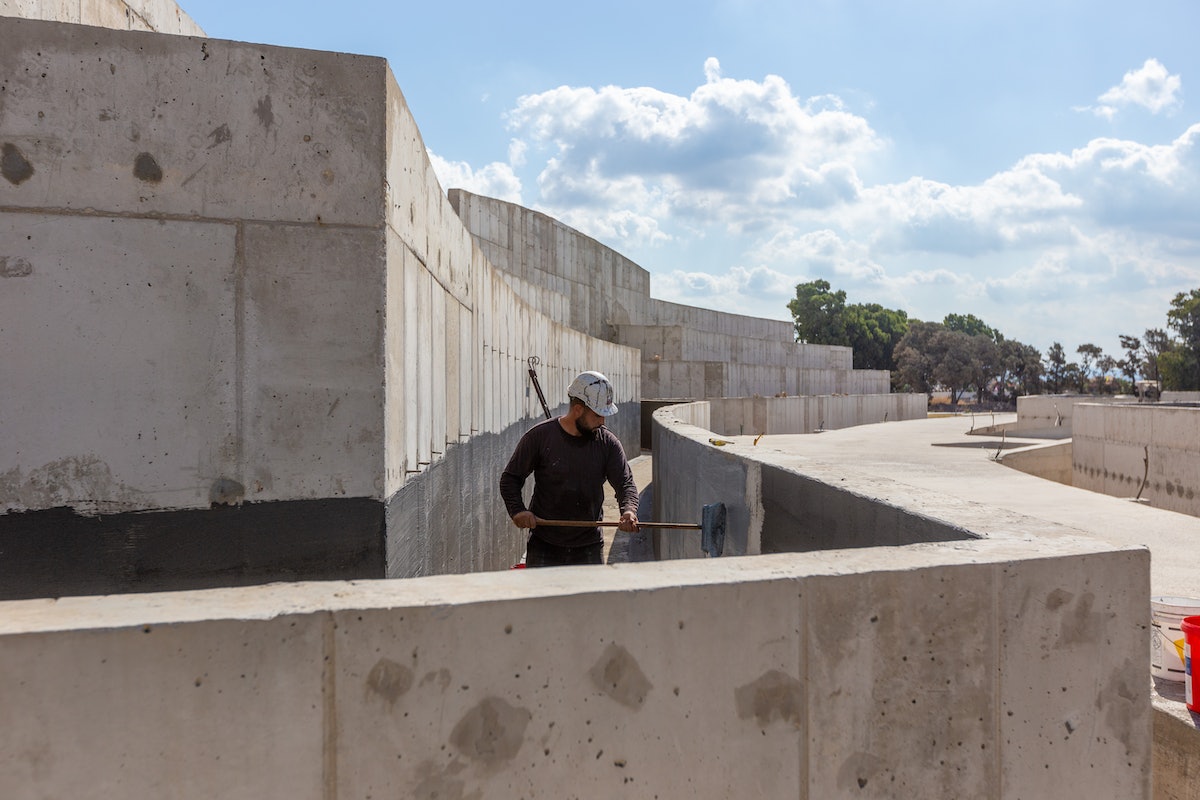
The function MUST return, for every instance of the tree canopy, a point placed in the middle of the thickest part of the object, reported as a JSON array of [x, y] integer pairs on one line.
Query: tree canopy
[[821, 316], [963, 352]]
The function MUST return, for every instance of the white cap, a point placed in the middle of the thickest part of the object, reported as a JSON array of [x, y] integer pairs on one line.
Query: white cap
[[595, 391]]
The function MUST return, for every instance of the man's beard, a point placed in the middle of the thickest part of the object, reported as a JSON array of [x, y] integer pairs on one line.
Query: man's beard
[[585, 429]]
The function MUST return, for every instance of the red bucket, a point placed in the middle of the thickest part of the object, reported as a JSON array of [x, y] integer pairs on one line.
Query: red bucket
[[1191, 644]]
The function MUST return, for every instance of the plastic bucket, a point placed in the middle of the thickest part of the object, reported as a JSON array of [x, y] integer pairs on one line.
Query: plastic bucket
[[1191, 644], [1166, 636]]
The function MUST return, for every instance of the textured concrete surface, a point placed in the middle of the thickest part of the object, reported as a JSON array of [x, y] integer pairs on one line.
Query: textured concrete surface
[[872, 485], [256, 294], [1151, 450], [875, 673], [686, 351], [162, 16]]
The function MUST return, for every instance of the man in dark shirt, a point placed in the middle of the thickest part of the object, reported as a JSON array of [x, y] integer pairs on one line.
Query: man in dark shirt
[[570, 458]]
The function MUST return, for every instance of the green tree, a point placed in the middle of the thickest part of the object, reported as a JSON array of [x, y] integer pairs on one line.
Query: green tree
[[1089, 354], [916, 357], [1131, 363], [819, 314], [1184, 319], [1157, 342], [874, 332], [957, 367], [972, 326], [1020, 369], [1056, 368]]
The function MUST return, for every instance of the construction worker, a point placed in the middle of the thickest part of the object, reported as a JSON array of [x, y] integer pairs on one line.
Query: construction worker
[[570, 458]]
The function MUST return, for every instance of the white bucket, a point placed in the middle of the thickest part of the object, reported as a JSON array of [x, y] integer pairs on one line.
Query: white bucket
[[1166, 637]]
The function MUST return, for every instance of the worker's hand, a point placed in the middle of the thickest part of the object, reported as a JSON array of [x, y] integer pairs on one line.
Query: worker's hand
[[628, 522], [525, 519]]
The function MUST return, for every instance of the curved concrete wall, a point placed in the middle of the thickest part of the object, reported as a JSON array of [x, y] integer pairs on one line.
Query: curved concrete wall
[[687, 352], [972, 593], [161, 16], [1151, 449], [253, 314]]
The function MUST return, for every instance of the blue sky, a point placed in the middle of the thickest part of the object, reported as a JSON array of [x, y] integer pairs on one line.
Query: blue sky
[[1036, 164]]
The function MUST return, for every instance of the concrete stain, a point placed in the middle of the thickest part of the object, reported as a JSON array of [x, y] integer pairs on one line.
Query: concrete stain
[[14, 267], [1081, 623], [389, 680], [492, 732], [775, 695], [13, 164], [264, 113], [226, 492], [857, 771], [219, 135], [145, 168], [84, 482], [441, 678], [438, 783], [618, 675]]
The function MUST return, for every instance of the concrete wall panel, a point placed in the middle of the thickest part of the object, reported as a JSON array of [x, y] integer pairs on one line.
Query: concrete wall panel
[[160, 424], [1056, 708], [313, 354], [231, 130], [876, 660], [211, 709], [1118, 448]]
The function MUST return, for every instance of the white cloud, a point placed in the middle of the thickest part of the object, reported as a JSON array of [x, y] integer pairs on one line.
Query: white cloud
[[1150, 86], [1058, 244], [740, 290], [493, 180], [733, 153]]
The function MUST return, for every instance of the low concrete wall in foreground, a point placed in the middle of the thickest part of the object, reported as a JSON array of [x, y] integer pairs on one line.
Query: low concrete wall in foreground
[[983, 670]]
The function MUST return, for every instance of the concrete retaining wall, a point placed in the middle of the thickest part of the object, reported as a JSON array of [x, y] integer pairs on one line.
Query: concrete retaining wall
[[161, 16], [686, 351], [1117, 448], [243, 317], [934, 586], [988, 671], [734, 416]]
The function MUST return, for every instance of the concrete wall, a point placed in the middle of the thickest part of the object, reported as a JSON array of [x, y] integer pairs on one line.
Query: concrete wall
[[754, 415], [867, 646], [161, 16], [996, 670], [252, 314], [686, 351], [1051, 461], [1117, 448]]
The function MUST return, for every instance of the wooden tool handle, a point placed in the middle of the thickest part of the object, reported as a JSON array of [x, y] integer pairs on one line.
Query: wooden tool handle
[[583, 523]]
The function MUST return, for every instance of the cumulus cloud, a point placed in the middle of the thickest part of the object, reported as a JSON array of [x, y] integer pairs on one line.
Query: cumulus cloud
[[737, 290], [493, 180], [1150, 87], [732, 153], [776, 181]]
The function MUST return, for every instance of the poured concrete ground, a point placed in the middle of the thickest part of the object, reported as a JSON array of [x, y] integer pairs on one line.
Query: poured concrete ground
[[942, 455]]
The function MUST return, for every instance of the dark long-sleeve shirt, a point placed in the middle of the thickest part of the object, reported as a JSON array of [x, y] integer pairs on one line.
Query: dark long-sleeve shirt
[[569, 473]]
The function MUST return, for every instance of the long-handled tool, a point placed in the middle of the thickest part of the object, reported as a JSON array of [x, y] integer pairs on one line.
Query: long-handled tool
[[711, 527], [533, 361]]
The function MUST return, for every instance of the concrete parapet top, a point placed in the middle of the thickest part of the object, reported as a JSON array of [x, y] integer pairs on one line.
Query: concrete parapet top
[[276, 600]]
